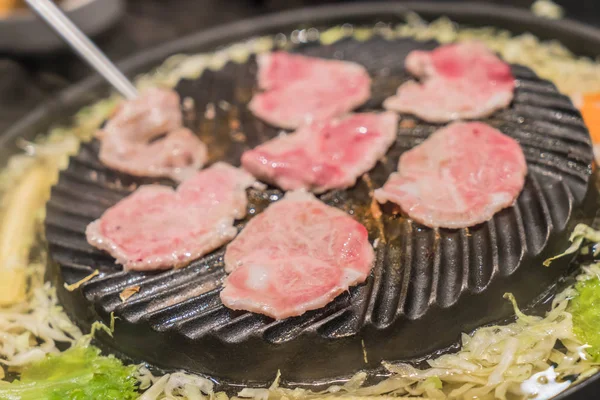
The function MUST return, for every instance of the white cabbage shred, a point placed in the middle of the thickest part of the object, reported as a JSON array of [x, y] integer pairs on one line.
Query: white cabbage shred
[[547, 9], [580, 234], [175, 386], [31, 329], [543, 385], [492, 364]]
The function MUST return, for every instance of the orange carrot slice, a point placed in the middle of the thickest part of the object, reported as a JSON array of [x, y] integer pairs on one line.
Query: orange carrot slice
[[591, 114]]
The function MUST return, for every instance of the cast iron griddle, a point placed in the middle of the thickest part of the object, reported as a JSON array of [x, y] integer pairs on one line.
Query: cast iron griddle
[[427, 285]]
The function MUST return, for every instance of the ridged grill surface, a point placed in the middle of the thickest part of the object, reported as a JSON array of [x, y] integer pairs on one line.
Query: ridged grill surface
[[427, 285]]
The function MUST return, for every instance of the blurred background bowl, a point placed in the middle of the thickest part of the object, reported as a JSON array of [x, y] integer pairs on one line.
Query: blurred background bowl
[[23, 32]]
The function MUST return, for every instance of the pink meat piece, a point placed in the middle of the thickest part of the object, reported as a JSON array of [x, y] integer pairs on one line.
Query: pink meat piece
[[300, 89], [458, 81], [131, 141], [460, 176], [177, 156], [298, 255], [157, 227], [324, 155]]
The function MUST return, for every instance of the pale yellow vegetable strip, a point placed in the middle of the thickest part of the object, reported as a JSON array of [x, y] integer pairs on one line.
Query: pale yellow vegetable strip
[[380, 397], [580, 233], [17, 231], [349, 397], [80, 282]]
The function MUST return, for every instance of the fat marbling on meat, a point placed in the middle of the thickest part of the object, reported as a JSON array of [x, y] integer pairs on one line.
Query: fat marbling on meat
[[131, 141], [157, 227], [457, 81], [298, 255], [299, 89], [324, 155], [460, 176]]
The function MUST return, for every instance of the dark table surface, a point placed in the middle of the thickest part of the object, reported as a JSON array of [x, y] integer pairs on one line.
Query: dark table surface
[[26, 81]]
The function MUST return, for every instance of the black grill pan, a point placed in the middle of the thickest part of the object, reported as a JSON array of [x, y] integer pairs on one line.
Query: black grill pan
[[427, 286]]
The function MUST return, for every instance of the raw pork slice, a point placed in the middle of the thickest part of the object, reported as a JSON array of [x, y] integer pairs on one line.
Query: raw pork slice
[[300, 89], [460, 176], [298, 255], [324, 155], [458, 81], [132, 142], [157, 227]]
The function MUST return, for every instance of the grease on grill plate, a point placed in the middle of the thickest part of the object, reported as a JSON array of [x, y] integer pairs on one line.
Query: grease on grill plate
[[427, 286]]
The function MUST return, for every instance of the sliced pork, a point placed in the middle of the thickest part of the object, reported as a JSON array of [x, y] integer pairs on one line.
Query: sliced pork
[[324, 155], [457, 81], [145, 137], [157, 227], [298, 255], [300, 89], [460, 176]]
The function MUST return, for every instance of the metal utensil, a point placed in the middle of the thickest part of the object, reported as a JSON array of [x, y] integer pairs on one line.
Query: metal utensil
[[62, 25]]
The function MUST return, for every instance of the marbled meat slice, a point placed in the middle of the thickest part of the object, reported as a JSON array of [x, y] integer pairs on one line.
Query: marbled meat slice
[[132, 142], [157, 227], [177, 156], [458, 81], [460, 176], [298, 255], [324, 155], [300, 89]]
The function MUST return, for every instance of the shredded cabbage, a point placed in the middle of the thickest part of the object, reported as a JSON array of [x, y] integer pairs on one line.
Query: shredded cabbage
[[547, 9], [580, 234], [175, 386], [30, 330], [492, 364]]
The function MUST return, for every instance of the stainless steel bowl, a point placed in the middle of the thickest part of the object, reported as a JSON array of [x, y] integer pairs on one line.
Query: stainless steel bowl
[[23, 32]]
